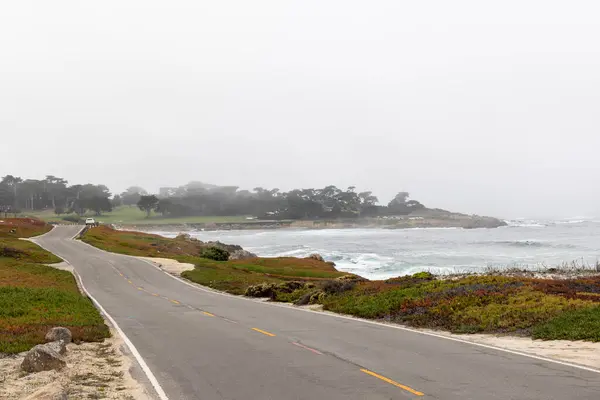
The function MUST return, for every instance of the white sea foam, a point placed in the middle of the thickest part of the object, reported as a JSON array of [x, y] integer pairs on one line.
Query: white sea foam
[[385, 253]]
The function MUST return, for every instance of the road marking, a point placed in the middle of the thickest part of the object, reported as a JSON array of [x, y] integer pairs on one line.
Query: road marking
[[229, 320], [307, 348], [155, 294], [263, 332], [174, 301], [388, 380], [131, 283], [141, 288], [207, 313], [120, 273]]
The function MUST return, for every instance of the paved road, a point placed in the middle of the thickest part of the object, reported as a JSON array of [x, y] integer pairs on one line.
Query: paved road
[[204, 345]]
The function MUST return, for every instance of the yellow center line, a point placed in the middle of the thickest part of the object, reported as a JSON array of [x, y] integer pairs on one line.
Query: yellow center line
[[155, 294], [263, 332], [120, 273], [174, 301], [207, 313], [388, 380], [141, 288], [129, 281]]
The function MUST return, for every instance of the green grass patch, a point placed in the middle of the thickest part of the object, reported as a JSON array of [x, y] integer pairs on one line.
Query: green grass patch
[[236, 276], [581, 324], [131, 215], [35, 297], [26, 314]]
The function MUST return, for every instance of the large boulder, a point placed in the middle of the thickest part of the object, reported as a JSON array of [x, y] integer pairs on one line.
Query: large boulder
[[42, 358], [59, 333], [59, 346], [241, 255]]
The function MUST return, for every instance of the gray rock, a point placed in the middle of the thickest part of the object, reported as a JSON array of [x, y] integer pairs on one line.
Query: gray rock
[[42, 358], [59, 333], [316, 256], [241, 255], [59, 346]]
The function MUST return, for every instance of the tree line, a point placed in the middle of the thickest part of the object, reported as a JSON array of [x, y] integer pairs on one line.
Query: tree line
[[21, 195], [198, 199]]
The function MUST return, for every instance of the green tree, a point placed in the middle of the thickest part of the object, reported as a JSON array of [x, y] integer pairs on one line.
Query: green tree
[[164, 207], [98, 204], [148, 203]]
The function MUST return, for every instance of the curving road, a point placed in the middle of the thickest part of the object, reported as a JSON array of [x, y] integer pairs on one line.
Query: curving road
[[204, 345]]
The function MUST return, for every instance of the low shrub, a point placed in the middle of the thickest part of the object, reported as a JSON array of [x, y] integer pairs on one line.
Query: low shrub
[[426, 276], [337, 286], [261, 290], [215, 253], [11, 252]]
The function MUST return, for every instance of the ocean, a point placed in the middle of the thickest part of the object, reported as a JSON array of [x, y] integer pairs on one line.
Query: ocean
[[385, 253]]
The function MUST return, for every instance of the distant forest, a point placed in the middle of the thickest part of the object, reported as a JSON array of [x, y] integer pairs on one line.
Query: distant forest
[[198, 199]]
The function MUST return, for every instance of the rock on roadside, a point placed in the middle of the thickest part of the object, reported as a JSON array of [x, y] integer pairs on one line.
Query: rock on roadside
[[59, 333], [59, 346], [42, 357]]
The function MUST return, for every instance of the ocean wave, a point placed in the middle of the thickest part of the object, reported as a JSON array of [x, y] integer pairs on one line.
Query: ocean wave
[[524, 223], [528, 244]]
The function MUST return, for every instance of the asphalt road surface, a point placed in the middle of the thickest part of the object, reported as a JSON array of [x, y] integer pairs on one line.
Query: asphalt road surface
[[204, 345]]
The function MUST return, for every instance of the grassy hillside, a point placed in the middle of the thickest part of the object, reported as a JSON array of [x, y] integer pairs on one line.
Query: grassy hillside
[[35, 297]]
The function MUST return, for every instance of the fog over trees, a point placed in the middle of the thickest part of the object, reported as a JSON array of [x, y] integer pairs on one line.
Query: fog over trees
[[198, 199]]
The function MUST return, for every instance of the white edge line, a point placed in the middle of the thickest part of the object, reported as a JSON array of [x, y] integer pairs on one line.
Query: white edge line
[[350, 318], [159, 390]]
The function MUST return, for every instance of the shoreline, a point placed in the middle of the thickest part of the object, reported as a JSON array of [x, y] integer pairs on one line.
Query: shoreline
[[315, 225]]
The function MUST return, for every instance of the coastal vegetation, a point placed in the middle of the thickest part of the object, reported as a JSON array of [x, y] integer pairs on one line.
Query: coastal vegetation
[[494, 303], [35, 297]]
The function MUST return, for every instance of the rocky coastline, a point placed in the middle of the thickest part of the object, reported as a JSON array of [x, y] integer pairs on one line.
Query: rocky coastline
[[448, 220]]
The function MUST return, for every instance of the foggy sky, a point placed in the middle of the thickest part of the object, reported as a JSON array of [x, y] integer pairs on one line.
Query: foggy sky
[[470, 106]]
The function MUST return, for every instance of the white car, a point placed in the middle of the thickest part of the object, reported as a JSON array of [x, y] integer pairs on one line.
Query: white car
[[90, 221]]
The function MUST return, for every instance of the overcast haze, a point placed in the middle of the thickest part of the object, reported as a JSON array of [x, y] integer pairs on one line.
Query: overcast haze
[[473, 107]]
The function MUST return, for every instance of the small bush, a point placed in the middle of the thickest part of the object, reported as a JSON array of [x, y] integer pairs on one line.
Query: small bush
[[289, 286], [215, 253], [426, 276], [261, 290], [11, 252]]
